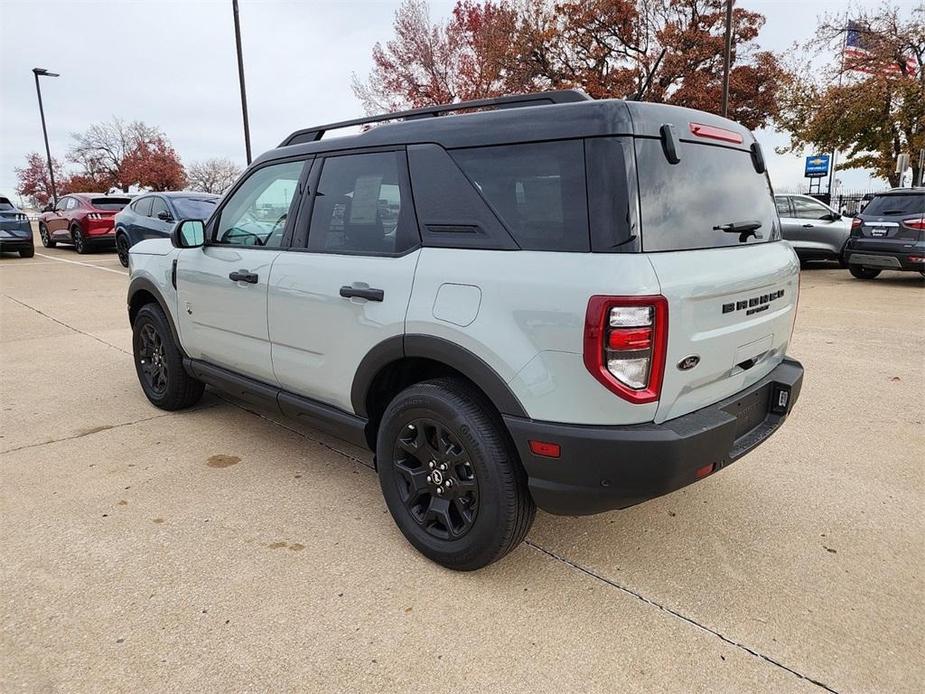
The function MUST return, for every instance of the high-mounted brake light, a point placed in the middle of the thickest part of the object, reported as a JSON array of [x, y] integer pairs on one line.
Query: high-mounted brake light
[[714, 133], [625, 342], [915, 223]]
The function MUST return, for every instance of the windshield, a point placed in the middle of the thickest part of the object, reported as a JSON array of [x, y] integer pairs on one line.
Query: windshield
[[195, 208], [711, 198], [110, 203], [896, 203]]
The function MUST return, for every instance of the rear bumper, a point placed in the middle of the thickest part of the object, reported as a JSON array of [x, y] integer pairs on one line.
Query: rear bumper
[[9, 244], [605, 468], [856, 254]]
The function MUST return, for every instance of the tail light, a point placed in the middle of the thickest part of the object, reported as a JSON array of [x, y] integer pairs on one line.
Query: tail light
[[856, 226], [94, 215], [915, 223], [625, 343]]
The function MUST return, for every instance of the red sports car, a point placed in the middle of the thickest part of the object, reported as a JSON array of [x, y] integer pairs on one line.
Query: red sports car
[[84, 220]]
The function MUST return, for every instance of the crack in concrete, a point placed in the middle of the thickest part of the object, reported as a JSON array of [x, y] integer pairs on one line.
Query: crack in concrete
[[63, 324], [90, 432], [684, 618]]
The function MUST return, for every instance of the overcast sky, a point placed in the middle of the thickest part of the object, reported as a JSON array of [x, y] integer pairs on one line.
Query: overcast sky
[[172, 64]]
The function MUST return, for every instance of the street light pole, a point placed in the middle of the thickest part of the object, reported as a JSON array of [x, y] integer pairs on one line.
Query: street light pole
[[42, 72], [237, 39], [727, 58]]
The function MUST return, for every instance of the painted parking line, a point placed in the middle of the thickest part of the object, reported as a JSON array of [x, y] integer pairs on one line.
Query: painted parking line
[[76, 262]]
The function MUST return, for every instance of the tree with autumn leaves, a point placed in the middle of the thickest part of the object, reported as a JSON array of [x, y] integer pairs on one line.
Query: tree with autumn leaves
[[114, 154], [667, 51], [869, 105]]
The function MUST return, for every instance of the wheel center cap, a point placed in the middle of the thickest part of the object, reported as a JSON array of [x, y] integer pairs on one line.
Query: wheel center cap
[[436, 477]]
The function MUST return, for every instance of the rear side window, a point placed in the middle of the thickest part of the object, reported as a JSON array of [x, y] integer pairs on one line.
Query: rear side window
[[537, 190], [6, 205], [896, 203], [687, 205]]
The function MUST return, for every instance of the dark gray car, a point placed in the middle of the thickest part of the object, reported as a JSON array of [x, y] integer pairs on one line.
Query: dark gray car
[[153, 215], [816, 231], [15, 230], [889, 234]]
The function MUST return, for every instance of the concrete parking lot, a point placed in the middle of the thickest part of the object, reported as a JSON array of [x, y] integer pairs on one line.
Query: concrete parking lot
[[227, 549]]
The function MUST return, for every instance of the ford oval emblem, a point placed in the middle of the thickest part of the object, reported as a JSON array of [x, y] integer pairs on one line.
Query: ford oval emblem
[[689, 363]]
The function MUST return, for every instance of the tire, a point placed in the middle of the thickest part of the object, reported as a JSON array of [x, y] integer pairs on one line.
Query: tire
[[159, 364], [77, 238], [27, 252], [122, 248], [484, 509], [863, 273], [46, 237]]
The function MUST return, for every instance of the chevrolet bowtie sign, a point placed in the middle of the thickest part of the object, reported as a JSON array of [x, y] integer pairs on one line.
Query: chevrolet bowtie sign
[[817, 166]]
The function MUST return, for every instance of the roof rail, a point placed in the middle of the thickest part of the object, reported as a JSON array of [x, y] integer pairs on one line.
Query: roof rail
[[563, 96]]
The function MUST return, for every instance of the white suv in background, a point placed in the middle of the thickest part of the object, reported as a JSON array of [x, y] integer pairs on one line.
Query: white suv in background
[[546, 301]]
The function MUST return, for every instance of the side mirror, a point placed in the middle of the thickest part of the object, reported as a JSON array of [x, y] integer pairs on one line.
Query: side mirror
[[164, 216], [188, 233]]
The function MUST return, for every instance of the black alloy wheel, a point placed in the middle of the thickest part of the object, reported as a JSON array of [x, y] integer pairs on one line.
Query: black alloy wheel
[[122, 249], [436, 480], [152, 360], [46, 237], [77, 236], [451, 476]]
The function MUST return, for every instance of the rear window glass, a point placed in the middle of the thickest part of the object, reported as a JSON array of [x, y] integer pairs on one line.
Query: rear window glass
[[897, 203], [537, 190], [194, 208], [110, 203], [683, 204], [6, 205]]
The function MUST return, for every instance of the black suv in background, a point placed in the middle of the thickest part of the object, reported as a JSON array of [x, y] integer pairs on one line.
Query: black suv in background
[[889, 234]]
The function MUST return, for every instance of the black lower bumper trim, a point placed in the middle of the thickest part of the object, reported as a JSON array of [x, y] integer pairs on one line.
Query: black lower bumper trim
[[13, 245], [604, 468]]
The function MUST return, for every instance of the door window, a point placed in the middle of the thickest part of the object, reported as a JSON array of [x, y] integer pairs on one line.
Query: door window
[[256, 213], [807, 209], [783, 207], [157, 206], [358, 206], [143, 207]]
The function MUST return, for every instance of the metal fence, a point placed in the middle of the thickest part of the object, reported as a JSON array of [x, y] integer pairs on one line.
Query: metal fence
[[848, 202]]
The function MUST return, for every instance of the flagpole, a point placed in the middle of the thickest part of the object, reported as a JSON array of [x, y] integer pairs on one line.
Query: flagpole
[[841, 75]]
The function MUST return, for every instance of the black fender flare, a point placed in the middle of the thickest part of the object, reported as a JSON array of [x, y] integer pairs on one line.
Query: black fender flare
[[440, 350], [140, 284]]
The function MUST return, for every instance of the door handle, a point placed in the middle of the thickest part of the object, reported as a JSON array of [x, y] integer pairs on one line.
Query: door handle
[[243, 276], [349, 292], [807, 226]]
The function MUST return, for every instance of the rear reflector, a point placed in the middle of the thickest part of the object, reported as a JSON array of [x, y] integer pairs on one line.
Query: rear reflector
[[630, 338], [705, 470], [545, 448], [714, 133]]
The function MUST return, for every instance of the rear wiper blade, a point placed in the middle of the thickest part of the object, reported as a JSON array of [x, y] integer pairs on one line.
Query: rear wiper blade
[[743, 229]]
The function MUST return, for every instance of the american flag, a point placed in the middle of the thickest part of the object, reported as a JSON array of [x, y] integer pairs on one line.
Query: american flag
[[858, 56]]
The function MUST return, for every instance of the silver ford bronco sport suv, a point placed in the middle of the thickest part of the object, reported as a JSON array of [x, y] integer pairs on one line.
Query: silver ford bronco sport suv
[[544, 301]]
